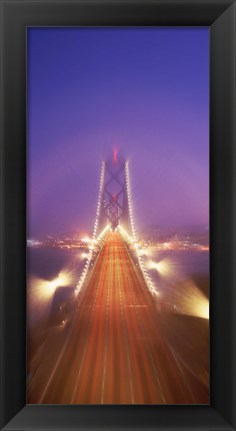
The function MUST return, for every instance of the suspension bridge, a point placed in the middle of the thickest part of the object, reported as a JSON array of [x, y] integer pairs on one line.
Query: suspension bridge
[[114, 350]]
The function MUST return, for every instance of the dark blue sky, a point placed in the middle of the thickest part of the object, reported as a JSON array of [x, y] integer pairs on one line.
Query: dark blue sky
[[143, 89]]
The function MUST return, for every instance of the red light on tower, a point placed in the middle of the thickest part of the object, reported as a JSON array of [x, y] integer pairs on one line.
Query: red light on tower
[[115, 153]]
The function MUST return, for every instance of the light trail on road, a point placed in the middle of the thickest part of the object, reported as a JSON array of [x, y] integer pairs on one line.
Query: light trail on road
[[114, 351]]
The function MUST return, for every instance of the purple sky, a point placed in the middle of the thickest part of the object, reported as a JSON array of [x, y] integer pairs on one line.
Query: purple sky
[[143, 89]]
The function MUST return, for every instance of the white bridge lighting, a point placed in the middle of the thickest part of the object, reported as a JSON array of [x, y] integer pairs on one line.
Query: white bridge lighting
[[129, 238], [94, 239]]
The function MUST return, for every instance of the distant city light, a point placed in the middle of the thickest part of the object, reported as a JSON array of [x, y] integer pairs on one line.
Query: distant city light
[[33, 242]]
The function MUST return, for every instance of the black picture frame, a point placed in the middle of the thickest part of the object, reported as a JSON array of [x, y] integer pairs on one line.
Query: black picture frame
[[220, 16]]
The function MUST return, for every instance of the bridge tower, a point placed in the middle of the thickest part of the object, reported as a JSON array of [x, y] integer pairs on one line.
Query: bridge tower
[[114, 196], [114, 209]]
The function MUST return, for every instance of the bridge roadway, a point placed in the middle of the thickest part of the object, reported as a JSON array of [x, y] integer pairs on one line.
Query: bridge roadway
[[113, 352]]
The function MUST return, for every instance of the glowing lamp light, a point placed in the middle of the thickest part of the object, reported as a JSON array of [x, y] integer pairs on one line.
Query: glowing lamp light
[[44, 289], [84, 255], [85, 239], [202, 310], [164, 267], [63, 279], [192, 301]]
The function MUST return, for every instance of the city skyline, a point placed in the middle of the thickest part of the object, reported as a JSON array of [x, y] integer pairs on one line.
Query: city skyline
[[144, 91]]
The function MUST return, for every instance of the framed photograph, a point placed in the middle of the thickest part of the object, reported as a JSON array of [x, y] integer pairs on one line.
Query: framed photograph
[[105, 291], [118, 215]]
